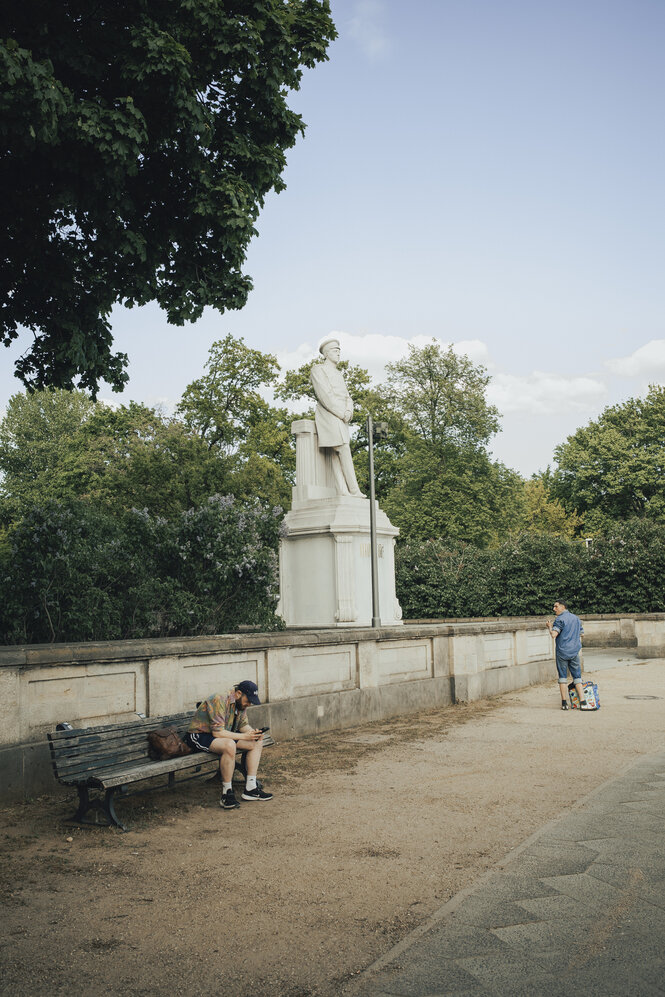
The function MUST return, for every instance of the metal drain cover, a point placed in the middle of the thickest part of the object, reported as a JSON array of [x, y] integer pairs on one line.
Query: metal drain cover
[[642, 697]]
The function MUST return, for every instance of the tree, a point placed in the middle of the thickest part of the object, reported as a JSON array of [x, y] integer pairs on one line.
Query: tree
[[540, 513], [36, 434], [463, 496], [389, 450], [134, 457], [614, 468], [623, 571], [445, 484], [226, 409], [224, 403], [59, 445], [442, 397], [139, 141]]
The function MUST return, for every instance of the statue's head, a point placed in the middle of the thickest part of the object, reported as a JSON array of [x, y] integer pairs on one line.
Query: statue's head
[[330, 349]]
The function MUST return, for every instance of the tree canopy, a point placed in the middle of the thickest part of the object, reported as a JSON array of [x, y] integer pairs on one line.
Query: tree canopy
[[441, 395], [139, 141], [57, 445], [445, 483], [614, 468]]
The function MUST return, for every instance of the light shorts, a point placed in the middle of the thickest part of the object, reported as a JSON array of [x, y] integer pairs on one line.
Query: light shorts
[[563, 665]]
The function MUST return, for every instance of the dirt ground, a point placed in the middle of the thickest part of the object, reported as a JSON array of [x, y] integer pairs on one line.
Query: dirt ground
[[371, 831]]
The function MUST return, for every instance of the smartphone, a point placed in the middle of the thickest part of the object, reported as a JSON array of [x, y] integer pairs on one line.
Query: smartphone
[[262, 730]]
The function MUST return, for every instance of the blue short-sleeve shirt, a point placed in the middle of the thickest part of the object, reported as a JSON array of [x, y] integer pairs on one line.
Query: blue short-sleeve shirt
[[569, 628]]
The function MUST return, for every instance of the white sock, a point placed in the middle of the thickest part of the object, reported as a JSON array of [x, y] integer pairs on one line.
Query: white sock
[[251, 782], [226, 786]]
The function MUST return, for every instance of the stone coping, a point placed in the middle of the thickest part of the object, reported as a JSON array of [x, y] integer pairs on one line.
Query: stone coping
[[583, 616], [41, 655]]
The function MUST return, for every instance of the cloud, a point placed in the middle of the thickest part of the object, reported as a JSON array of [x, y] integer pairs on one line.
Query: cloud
[[537, 393], [367, 31], [541, 393], [649, 359], [373, 351], [161, 403]]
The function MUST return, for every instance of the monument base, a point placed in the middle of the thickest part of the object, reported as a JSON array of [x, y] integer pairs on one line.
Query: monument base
[[325, 564]]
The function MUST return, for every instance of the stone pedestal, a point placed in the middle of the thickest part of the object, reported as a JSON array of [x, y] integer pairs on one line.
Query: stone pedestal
[[325, 556]]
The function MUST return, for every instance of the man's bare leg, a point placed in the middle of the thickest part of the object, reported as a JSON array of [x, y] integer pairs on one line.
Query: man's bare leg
[[253, 790], [252, 751], [580, 693], [225, 747]]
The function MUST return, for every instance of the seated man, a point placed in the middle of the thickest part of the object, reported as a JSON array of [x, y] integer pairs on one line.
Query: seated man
[[220, 726]]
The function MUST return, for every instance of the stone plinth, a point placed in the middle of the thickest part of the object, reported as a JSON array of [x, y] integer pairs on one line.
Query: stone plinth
[[325, 556]]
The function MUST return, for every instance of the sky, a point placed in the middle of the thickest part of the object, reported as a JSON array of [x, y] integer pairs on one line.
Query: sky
[[487, 173]]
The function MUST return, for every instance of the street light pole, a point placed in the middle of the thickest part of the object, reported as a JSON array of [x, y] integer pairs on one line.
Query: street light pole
[[376, 620]]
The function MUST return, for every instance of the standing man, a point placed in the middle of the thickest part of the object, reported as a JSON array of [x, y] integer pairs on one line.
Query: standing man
[[333, 415], [220, 727], [567, 630]]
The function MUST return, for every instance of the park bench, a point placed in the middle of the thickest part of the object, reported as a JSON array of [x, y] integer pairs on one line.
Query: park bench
[[110, 759]]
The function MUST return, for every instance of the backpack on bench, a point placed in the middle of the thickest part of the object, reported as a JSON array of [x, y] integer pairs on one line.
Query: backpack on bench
[[166, 743]]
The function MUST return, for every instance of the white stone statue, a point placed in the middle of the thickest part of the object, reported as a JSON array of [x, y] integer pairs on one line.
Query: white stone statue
[[325, 554], [333, 415]]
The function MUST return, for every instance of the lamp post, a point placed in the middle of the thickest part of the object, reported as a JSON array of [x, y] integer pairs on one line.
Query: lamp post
[[380, 431]]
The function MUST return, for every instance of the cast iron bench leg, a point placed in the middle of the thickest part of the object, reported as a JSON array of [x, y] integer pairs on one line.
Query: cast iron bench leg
[[106, 806], [84, 804], [110, 809]]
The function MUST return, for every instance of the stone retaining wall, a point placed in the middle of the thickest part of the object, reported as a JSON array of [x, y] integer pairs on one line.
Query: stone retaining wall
[[309, 680]]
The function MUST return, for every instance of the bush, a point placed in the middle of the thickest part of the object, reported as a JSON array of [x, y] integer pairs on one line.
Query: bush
[[625, 568], [72, 572], [623, 571]]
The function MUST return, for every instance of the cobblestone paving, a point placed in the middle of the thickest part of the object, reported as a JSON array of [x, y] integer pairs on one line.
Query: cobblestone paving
[[578, 909]]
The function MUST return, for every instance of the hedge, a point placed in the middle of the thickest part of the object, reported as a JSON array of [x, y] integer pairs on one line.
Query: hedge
[[622, 571]]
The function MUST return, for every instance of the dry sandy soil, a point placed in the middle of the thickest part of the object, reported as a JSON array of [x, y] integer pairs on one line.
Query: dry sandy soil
[[371, 831]]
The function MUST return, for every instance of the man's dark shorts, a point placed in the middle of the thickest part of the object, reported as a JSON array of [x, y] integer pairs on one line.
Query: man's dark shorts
[[198, 740]]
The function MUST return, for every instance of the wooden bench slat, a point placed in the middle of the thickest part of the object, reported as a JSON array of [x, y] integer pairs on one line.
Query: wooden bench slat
[[151, 769], [110, 730], [87, 762], [91, 746], [96, 743], [119, 775]]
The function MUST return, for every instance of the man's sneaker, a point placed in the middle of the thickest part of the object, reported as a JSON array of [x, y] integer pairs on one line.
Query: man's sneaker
[[256, 794], [228, 800], [564, 704]]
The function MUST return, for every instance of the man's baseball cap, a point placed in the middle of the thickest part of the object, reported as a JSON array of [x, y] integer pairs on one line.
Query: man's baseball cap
[[251, 690]]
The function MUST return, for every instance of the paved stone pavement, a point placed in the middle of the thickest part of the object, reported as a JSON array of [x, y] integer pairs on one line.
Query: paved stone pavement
[[579, 908]]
